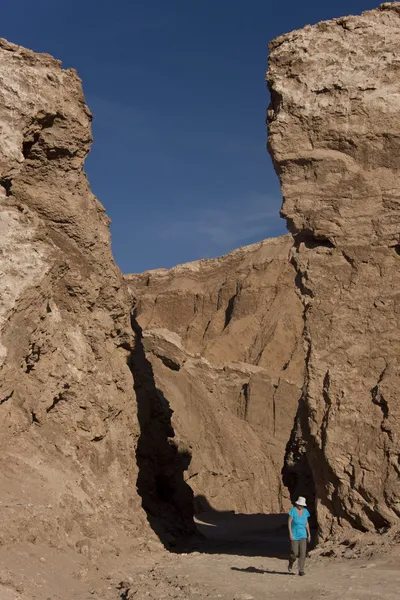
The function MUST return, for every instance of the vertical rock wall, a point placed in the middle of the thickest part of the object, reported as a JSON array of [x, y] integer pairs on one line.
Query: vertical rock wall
[[334, 136], [68, 412]]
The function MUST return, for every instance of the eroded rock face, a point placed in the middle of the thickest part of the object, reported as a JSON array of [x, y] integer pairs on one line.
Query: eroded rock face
[[334, 135], [67, 404], [224, 340]]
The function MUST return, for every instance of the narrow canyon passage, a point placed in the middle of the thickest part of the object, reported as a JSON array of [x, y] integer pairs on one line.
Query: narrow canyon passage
[[221, 343], [192, 405]]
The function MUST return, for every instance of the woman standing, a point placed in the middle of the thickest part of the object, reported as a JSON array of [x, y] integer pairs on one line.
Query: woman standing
[[299, 533]]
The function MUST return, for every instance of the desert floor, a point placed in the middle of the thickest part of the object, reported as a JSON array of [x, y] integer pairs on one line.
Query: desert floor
[[243, 557]]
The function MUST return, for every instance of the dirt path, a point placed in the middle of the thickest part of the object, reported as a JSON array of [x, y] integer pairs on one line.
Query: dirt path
[[242, 559], [240, 578]]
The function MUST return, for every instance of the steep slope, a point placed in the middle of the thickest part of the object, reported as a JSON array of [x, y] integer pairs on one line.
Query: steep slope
[[224, 340], [67, 405], [334, 135]]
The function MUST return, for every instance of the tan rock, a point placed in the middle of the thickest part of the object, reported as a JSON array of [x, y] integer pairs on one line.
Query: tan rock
[[334, 131], [224, 340], [67, 406]]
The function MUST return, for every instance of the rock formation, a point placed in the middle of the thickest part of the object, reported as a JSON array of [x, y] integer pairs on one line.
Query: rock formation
[[334, 135], [68, 409], [223, 337], [107, 408]]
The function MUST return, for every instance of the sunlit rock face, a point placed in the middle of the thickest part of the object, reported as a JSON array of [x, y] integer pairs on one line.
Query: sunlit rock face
[[224, 338], [68, 410], [334, 136]]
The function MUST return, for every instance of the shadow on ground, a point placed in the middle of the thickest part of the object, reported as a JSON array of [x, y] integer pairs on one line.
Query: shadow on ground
[[262, 571], [227, 532]]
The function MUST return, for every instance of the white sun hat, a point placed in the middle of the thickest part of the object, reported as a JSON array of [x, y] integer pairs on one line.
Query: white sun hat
[[301, 501]]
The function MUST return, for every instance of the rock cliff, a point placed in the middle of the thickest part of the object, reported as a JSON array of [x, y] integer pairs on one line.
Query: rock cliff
[[334, 135], [68, 410], [107, 408], [223, 337]]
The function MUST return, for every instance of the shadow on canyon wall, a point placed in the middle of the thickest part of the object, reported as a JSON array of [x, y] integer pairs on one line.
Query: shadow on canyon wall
[[166, 497], [297, 475], [169, 501]]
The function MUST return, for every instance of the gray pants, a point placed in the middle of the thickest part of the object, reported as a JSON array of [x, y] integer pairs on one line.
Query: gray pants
[[298, 549]]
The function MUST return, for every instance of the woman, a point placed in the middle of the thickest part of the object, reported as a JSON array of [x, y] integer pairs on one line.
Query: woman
[[299, 533]]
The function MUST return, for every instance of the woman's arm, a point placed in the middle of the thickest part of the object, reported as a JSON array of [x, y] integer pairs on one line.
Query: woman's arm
[[290, 527], [308, 531]]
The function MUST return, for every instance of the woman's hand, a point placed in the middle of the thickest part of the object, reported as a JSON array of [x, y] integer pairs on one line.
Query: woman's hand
[[309, 538]]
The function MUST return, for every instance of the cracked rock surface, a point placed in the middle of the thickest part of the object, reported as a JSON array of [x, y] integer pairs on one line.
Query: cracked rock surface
[[224, 340], [67, 404], [334, 135]]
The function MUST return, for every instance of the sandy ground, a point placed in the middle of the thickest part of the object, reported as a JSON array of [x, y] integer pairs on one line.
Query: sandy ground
[[242, 559]]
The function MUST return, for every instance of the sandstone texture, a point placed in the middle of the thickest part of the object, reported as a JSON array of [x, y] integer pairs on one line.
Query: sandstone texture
[[224, 339], [334, 135], [68, 410]]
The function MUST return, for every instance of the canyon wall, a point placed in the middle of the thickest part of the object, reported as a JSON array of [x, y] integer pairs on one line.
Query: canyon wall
[[70, 428], [334, 135], [224, 339]]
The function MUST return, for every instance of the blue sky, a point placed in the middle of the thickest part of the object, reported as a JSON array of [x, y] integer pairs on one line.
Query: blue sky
[[178, 94]]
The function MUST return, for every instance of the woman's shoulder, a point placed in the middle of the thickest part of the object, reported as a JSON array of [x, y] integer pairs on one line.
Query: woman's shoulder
[[292, 512]]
